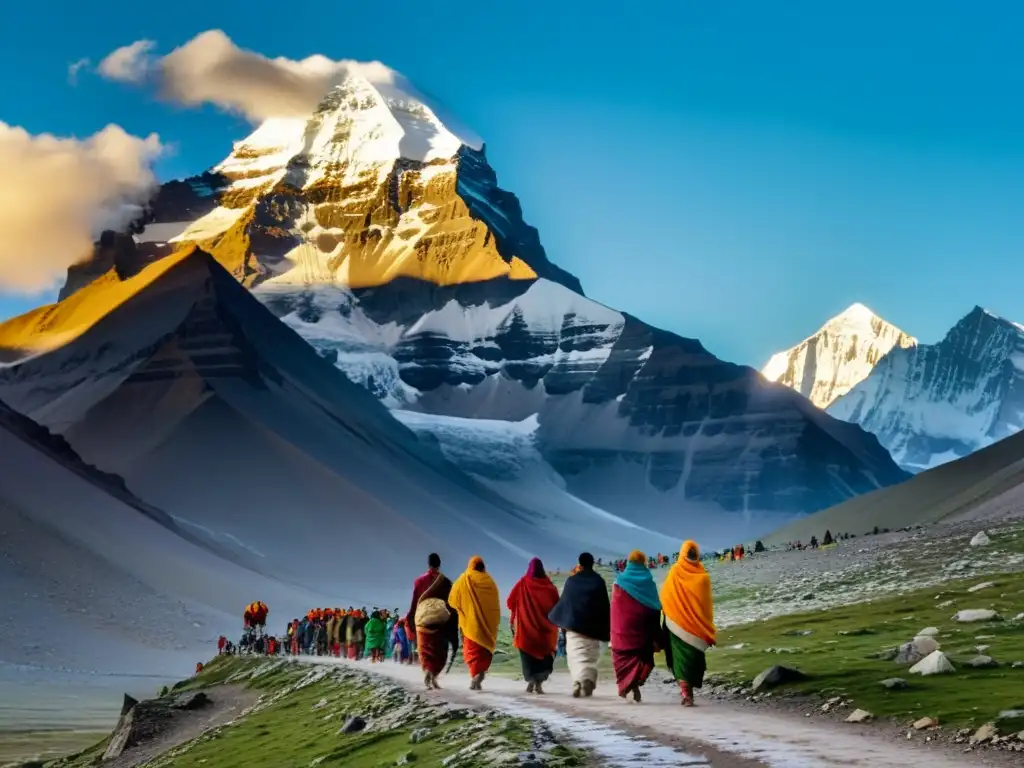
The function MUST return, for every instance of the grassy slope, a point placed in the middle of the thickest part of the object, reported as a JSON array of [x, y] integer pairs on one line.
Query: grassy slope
[[289, 728], [841, 664]]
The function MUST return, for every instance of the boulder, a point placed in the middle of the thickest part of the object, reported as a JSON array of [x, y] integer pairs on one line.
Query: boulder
[[982, 662], [980, 539], [986, 733], [894, 683], [925, 644], [859, 716], [353, 725], [970, 615], [925, 722], [777, 675], [935, 663], [928, 632]]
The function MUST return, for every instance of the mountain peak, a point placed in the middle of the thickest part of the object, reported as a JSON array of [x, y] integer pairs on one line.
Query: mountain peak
[[841, 353]]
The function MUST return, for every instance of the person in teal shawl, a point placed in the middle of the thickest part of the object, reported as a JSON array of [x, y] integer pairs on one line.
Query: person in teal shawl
[[389, 632], [636, 625], [376, 637]]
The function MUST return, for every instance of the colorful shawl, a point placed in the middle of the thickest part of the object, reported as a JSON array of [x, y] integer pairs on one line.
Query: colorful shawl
[[637, 581], [686, 596], [376, 638], [530, 602], [475, 596]]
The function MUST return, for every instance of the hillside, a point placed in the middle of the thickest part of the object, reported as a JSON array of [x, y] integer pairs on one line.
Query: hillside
[[988, 484]]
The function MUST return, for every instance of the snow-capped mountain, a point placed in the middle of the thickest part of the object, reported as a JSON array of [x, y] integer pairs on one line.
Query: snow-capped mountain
[[839, 355], [378, 232], [933, 403]]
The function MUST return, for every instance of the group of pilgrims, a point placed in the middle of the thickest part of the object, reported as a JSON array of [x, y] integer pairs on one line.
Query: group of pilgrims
[[636, 623]]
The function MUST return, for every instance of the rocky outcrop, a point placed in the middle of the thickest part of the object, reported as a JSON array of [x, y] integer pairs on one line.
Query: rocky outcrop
[[839, 355], [935, 403]]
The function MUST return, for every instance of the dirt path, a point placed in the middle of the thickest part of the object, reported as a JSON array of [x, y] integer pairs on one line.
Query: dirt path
[[715, 734]]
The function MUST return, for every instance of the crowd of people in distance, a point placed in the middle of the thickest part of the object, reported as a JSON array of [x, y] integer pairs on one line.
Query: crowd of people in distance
[[444, 616], [655, 561]]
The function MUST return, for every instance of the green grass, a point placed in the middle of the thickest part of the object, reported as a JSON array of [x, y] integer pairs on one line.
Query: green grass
[[291, 727], [842, 664]]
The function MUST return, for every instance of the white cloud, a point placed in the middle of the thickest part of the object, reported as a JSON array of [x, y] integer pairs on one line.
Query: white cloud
[[130, 63], [211, 69], [74, 68], [58, 194]]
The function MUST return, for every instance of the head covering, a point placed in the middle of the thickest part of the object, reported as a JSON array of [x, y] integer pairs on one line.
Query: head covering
[[535, 570], [476, 563], [636, 581], [686, 595], [636, 556]]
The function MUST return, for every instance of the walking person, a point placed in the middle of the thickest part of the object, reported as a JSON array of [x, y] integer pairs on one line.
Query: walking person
[[689, 620], [636, 625], [436, 623], [530, 602], [376, 637], [583, 611], [476, 599]]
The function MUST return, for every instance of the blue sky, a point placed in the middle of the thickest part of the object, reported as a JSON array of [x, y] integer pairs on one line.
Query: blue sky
[[734, 171]]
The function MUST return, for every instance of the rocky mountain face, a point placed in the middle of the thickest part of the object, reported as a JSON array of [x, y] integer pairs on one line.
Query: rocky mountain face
[[380, 235], [839, 355], [933, 403]]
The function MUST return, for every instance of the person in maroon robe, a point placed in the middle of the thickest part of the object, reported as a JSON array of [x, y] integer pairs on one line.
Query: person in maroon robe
[[433, 642]]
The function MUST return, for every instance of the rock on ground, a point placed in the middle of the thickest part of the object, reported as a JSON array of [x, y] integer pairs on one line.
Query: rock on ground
[[925, 722], [982, 662], [895, 683], [969, 615], [935, 663], [859, 716], [777, 675], [987, 732], [928, 632], [980, 539]]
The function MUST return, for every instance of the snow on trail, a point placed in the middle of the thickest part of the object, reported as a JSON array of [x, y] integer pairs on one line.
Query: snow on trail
[[627, 734]]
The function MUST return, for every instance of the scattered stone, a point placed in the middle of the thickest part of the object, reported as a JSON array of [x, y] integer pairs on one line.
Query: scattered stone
[[981, 648], [925, 722], [407, 758], [935, 663], [976, 614], [1010, 714], [986, 733], [353, 725], [737, 647], [320, 704], [855, 632], [419, 735], [859, 716], [887, 654], [777, 675], [980, 539], [908, 654], [808, 596], [983, 662], [983, 585], [798, 633], [1017, 665], [928, 632], [946, 604], [1018, 617], [925, 644], [895, 683]]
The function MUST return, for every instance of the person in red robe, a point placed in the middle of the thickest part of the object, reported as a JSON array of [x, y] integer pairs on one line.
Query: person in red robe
[[530, 602], [433, 640], [636, 625]]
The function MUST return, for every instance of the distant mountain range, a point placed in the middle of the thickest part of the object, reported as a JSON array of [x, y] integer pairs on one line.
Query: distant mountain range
[[379, 234], [927, 403]]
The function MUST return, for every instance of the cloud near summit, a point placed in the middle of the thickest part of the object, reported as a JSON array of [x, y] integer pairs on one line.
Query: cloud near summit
[[58, 194], [211, 69]]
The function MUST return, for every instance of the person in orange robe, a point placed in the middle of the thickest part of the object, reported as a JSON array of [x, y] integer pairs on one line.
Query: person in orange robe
[[476, 599]]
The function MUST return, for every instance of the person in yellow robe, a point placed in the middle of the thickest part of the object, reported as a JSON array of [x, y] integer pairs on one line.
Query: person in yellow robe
[[475, 598], [689, 620]]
